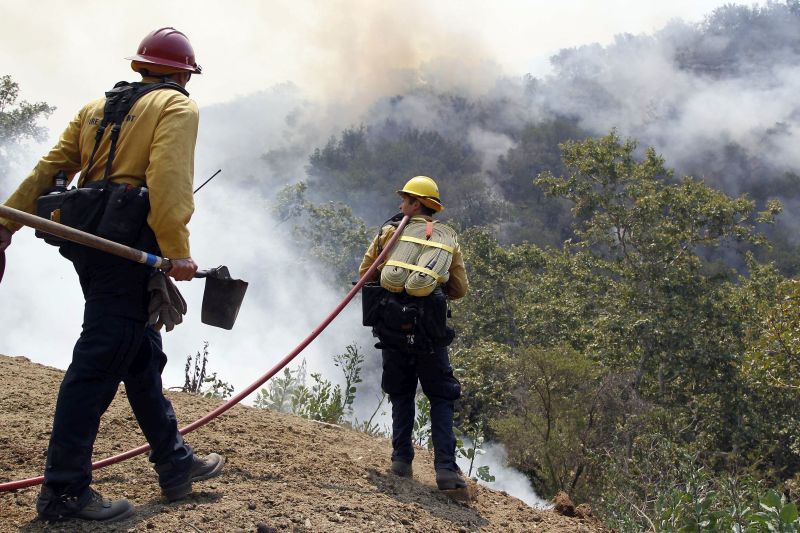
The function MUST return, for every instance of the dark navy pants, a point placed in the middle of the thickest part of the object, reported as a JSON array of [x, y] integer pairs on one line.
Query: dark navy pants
[[116, 345], [401, 371]]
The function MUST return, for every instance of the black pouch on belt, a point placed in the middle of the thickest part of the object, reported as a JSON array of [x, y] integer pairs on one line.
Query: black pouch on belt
[[125, 213], [49, 207], [402, 312], [79, 208], [83, 207], [435, 318], [372, 298]]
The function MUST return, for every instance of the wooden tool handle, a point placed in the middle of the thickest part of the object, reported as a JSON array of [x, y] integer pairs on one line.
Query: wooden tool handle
[[81, 237]]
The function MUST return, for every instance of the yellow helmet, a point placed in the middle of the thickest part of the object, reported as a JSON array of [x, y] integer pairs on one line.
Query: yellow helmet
[[425, 189]]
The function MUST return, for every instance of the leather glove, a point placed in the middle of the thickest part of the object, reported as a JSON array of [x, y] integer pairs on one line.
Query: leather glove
[[167, 306]]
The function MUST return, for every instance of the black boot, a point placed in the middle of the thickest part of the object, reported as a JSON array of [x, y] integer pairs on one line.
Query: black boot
[[449, 479], [178, 485], [52, 507], [401, 468]]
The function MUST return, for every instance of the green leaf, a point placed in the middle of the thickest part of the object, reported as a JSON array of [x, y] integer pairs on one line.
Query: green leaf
[[771, 500], [789, 513], [484, 475]]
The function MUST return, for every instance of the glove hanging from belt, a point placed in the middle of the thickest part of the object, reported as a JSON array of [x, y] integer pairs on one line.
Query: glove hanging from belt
[[167, 306]]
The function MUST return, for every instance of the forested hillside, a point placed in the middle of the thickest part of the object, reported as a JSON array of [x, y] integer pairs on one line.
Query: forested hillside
[[629, 224], [631, 331], [714, 98]]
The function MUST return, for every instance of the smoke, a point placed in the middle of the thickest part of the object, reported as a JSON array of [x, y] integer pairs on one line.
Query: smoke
[[367, 62], [715, 98], [507, 479], [367, 50], [262, 142], [694, 91], [233, 226]]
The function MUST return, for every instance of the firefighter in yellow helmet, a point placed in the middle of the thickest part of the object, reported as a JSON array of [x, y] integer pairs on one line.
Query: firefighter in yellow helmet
[[418, 352], [423, 189], [140, 158]]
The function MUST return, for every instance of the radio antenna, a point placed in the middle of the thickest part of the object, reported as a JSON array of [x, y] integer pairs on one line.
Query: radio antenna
[[209, 179]]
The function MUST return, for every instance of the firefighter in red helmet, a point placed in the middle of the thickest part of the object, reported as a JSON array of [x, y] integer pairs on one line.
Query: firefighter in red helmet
[[134, 150], [165, 50]]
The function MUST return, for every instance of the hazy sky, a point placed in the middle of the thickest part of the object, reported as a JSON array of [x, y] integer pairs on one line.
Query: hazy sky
[[67, 52]]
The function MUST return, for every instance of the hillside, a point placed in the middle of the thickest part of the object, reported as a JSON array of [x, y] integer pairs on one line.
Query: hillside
[[283, 473]]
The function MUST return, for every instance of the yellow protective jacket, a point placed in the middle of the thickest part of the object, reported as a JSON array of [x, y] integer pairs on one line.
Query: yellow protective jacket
[[455, 287], [155, 149]]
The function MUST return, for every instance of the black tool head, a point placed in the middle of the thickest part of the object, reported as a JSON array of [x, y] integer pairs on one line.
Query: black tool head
[[222, 298]]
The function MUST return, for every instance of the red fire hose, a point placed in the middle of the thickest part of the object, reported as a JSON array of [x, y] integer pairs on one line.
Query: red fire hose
[[11, 485]]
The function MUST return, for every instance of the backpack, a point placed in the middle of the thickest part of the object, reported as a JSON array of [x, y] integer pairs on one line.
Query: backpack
[[113, 211], [406, 323]]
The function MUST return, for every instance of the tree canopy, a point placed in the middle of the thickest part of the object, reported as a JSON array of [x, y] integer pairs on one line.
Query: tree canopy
[[19, 120]]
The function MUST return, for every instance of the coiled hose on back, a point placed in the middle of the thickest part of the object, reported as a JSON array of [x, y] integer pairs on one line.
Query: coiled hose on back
[[421, 260]]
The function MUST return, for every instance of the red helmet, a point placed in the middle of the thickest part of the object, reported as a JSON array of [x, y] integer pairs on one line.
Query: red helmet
[[169, 48]]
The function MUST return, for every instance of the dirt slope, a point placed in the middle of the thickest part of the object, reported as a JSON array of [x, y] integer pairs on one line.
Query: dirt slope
[[283, 473]]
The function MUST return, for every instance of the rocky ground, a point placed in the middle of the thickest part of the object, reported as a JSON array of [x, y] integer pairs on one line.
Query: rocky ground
[[283, 474]]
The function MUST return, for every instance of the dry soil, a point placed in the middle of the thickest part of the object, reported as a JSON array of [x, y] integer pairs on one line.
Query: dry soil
[[283, 473]]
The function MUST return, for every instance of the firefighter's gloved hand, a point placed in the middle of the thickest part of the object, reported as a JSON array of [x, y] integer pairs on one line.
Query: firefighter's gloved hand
[[167, 306]]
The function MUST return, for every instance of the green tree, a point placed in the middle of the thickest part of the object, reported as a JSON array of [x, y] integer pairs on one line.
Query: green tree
[[19, 120], [649, 231], [497, 275], [530, 215], [599, 363], [554, 417], [645, 296], [329, 233], [365, 165], [771, 373]]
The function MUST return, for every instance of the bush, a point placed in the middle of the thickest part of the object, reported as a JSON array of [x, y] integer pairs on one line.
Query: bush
[[198, 382], [322, 401]]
